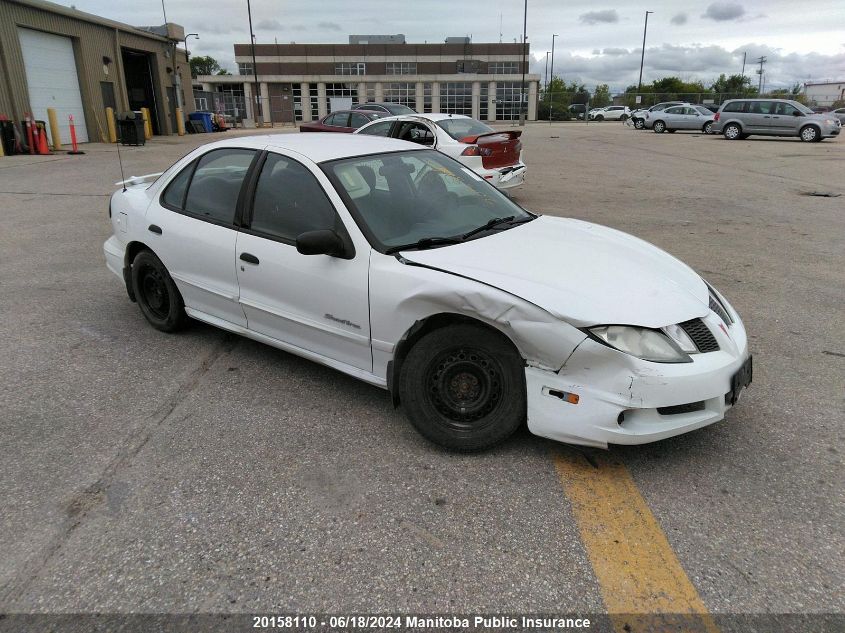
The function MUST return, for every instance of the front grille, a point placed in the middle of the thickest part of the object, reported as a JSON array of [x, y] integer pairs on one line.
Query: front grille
[[682, 408], [718, 309], [700, 335]]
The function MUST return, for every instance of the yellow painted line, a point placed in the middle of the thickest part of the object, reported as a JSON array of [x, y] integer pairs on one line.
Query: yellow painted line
[[638, 572]]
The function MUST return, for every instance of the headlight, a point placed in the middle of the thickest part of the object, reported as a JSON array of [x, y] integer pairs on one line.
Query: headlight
[[642, 342], [830, 121]]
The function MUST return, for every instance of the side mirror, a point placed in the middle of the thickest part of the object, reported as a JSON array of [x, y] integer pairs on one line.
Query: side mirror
[[323, 242], [796, 113]]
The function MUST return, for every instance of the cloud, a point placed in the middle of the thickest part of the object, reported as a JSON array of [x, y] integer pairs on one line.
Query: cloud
[[615, 51], [724, 11], [329, 26], [679, 19], [269, 25], [607, 16]]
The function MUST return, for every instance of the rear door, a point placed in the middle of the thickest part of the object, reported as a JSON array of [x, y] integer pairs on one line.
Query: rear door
[[785, 119], [758, 117], [316, 303], [337, 122], [191, 228]]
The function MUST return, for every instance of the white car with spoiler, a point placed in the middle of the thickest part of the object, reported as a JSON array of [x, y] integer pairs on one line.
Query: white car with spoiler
[[495, 155], [397, 265]]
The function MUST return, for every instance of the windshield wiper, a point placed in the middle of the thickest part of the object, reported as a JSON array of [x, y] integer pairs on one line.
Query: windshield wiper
[[426, 242], [494, 223]]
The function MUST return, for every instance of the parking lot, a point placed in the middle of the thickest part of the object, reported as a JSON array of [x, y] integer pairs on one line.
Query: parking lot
[[203, 472]]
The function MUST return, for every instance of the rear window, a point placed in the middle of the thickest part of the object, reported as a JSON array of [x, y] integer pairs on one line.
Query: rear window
[[461, 128], [734, 106], [398, 109]]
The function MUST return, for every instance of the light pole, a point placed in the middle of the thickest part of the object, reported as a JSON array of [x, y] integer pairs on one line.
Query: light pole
[[522, 99], [187, 53], [546, 77], [256, 96], [642, 56], [552, 77]]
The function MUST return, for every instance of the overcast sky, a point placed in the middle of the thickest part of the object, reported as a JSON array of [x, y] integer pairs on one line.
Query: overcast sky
[[599, 42]]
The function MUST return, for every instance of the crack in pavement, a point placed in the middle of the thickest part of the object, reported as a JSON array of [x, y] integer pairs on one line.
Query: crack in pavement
[[94, 494]]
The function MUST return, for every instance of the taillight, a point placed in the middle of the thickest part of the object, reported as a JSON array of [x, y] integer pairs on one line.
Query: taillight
[[716, 117], [475, 150]]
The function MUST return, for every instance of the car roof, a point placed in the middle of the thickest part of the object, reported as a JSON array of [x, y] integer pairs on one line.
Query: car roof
[[428, 116], [320, 147]]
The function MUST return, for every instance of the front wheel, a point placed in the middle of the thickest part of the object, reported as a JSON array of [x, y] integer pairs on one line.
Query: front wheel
[[659, 127], [639, 124], [600, 118], [463, 387], [810, 134], [732, 132], [624, 118], [157, 294]]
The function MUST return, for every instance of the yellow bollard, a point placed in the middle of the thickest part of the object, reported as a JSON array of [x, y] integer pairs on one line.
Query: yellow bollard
[[54, 129], [180, 122], [148, 126], [111, 125], [2, 151]]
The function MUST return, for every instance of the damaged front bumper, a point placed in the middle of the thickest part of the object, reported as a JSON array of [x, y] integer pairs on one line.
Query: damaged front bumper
[[620, 399]]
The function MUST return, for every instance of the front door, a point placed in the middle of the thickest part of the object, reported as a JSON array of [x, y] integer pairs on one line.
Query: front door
[[191, 229], [317, 303]]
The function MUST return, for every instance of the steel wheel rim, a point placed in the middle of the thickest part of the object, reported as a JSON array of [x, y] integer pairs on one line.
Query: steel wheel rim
[[464, 385], [732, 132], [808, 134], [154, 291]]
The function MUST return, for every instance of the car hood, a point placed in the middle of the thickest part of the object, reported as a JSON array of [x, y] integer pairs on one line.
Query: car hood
[[583, 273]]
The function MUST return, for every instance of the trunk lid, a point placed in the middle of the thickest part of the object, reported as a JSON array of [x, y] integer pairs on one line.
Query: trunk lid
[[498, 149]]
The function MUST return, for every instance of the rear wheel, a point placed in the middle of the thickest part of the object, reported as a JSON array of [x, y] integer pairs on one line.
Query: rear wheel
[[463, 387], [157, 294], [732, 132], [659, 127], [600, 117], [624, 117], [708, 127], [810, 134]]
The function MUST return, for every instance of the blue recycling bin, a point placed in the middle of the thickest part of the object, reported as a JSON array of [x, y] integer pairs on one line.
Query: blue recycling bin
[[205, 117]]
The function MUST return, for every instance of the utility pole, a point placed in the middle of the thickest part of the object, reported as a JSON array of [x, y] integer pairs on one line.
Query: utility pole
[[743, 63], [760, 60], [522, 99], [552, 77], [256, 97], [546, 76], [642, 56]]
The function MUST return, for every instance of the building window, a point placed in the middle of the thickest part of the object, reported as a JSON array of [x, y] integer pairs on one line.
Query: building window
[[427, 105], [297, 101], [401, 68], [350, 68], [456, 97], [402, 93], [344, 96], [244, 68], [468, 66], [508, 94], [503, 68], [482, 104]]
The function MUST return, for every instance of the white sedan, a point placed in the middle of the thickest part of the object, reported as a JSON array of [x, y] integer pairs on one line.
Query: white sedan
[[397, 265], [610, 113], [494, 155]]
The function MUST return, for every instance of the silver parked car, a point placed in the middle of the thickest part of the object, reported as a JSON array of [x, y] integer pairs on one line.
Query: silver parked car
[[681, 117], [740, 118], [839, 114], [638, 116]]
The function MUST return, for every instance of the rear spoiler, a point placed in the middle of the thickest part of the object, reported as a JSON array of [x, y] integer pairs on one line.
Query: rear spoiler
[[512, 134], [138, 180]]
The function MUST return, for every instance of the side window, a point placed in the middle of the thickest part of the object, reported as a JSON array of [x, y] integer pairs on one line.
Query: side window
[[674, 110], [357, 120], [736, 106], [338, 119], [174, 195], [382, 128], [416, 133], [785, 109], [289, 201], [214, 189], [761, 107]]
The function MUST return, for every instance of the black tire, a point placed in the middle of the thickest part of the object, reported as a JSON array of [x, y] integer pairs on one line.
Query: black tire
[[158, 297], [623, 118], [732, 132], [659, 127], [600, 117], [671, 131], [463, 387], [708, 127], [639, 124], [810, 134]]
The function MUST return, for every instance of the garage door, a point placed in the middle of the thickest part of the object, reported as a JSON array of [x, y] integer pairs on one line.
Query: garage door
[[52, 80]]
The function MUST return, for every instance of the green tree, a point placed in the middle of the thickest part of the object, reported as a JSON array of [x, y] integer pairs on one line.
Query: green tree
[[205, 65], [558, 96], [601, 96], [738, 85]]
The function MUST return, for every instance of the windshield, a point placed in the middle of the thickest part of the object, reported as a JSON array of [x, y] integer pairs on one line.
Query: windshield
[[704, 110], [802, 107], [398, 109], [461, 128], [404, 197]]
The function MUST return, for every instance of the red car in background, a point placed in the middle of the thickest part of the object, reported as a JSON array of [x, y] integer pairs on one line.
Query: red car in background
[[341, 121]]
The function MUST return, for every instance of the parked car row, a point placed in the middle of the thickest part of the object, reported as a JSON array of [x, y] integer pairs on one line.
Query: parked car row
[[741, 118]]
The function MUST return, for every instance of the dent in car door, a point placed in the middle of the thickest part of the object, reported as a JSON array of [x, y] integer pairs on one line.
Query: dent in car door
[[191, 229], [318, 303]]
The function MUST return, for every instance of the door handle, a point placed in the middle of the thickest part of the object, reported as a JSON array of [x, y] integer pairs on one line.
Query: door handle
[[247, 257], [154, 228]]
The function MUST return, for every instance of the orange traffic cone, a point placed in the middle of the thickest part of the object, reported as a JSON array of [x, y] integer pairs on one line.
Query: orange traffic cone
[[42, 140]]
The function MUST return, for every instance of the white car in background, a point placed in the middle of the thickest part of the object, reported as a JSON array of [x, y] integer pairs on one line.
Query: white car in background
[[495, 155], [397, 265], [610, 113]]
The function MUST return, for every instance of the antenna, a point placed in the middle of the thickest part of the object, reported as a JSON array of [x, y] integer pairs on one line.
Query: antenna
[[500, 27], [120, 162]]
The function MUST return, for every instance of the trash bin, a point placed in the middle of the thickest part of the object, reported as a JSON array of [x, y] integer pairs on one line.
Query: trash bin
[[204, 118], [130, 126]]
